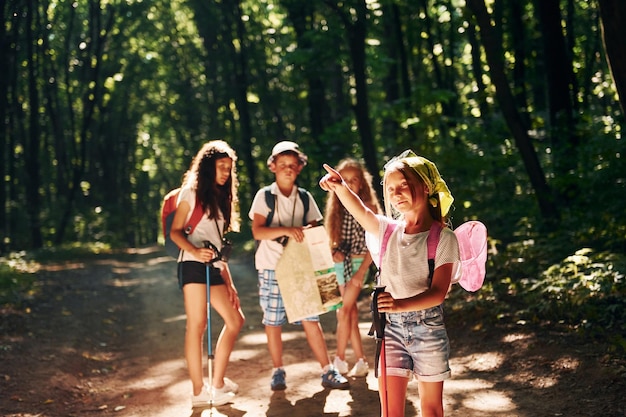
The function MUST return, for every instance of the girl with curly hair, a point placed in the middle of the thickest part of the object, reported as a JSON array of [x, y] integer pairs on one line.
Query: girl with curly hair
[[212, 182], [352, 261]]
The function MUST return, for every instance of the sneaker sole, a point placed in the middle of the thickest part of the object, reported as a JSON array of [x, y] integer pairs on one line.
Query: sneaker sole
[[222, 401]]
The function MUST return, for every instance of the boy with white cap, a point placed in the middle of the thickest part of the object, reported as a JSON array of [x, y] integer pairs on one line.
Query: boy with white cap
[[289, 217]]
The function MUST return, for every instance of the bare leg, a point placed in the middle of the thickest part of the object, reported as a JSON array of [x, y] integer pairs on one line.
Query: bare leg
[[343, 326], [431, 398], [233, 322], [275, 344], [195, 309], [396, 395], [315, 337], [355, 334]]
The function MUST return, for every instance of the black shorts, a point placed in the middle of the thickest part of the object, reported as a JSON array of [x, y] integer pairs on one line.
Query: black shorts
[[195, 272]]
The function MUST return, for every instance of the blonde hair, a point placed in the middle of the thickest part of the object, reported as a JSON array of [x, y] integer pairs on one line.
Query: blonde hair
[[335, 211]]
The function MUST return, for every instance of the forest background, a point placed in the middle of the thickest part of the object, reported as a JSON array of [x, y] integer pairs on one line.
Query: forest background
[[104, 103]]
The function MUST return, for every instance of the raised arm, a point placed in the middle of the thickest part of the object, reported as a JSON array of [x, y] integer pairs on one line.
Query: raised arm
[[333, 181]]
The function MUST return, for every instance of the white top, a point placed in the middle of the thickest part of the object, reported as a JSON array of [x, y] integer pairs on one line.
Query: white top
[[287, 213], [404, 269], [205, 230]]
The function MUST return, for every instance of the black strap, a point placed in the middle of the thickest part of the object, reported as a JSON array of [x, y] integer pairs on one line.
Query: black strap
[[270, 200], [377, 330]]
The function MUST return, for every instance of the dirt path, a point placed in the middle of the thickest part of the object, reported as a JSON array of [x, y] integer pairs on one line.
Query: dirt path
[[106, 338]]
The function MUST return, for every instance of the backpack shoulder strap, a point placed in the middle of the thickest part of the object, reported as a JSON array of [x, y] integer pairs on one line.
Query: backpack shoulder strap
[[432, 241], [383, 245], [304, 196], [196, 216], [270, 200]]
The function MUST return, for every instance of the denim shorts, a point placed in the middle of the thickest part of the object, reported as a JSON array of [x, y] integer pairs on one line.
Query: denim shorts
[[271, 300], [416, 343]]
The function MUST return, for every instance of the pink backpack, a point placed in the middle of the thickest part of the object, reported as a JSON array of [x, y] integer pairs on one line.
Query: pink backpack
[[472, 238]]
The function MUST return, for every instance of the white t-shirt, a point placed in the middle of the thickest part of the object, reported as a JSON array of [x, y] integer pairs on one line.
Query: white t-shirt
[[404, 269], [288, 212], [207, 229]]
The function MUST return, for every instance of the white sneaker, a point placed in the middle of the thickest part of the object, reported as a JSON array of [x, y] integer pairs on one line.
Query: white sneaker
[[211, 396], [229, 386], [340, 365], [201, 399], [360, 369]]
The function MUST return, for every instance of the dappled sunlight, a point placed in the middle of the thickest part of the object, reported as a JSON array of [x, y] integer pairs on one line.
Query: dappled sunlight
[[245, 354], [566, 362], [253, 339], [147, 250], [478, 394], [159, 375], [486, 361], [464, 386], [338, 402], [490, 401], [180, 317], [212, 412], [134, 282], [515, 337], [160, 260], [62, 266]]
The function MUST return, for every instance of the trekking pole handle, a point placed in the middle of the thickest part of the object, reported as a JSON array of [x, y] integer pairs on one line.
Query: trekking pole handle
[[217, 255], [379, 325]]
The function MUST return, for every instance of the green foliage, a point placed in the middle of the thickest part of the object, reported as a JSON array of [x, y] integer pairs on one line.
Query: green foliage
[[585, 290], [17, 278], [19, 270]]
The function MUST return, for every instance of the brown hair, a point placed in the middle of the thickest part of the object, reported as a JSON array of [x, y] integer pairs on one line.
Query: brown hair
[[335, 211]]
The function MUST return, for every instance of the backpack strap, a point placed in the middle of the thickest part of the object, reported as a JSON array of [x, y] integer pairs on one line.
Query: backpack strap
[[304, 196], [432, 241], [270, 200], [383, 245], [195, 218]]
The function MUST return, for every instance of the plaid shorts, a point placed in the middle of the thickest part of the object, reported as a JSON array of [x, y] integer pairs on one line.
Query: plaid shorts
[[271, 300]]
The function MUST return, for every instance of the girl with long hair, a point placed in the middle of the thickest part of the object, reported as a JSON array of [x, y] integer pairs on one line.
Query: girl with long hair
[[212, 182], [352, 261]]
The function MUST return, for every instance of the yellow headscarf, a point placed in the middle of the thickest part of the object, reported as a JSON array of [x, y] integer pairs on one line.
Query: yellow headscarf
[[429, 173]]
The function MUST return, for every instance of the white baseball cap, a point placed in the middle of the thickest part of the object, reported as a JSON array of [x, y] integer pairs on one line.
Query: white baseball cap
[[287, 146]]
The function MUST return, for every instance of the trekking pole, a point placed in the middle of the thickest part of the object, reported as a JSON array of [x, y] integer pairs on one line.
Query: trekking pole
[[208, 244], [379, 333]]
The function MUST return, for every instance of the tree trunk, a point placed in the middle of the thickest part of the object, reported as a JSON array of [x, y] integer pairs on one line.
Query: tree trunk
[[559, 75], [356, 28], [504, 95], [613, 15], [8, 60], [356, 36], [32, 154]]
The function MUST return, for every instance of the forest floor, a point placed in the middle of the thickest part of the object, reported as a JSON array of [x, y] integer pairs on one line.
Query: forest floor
[[105, 337]]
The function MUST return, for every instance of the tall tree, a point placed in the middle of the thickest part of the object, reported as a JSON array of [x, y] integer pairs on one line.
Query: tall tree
[[560, 94], [354, 14], [512, 116], [613, 13], [33, 202]]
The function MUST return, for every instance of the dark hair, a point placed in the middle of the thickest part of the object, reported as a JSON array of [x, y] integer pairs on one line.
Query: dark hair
[[214, 197]]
